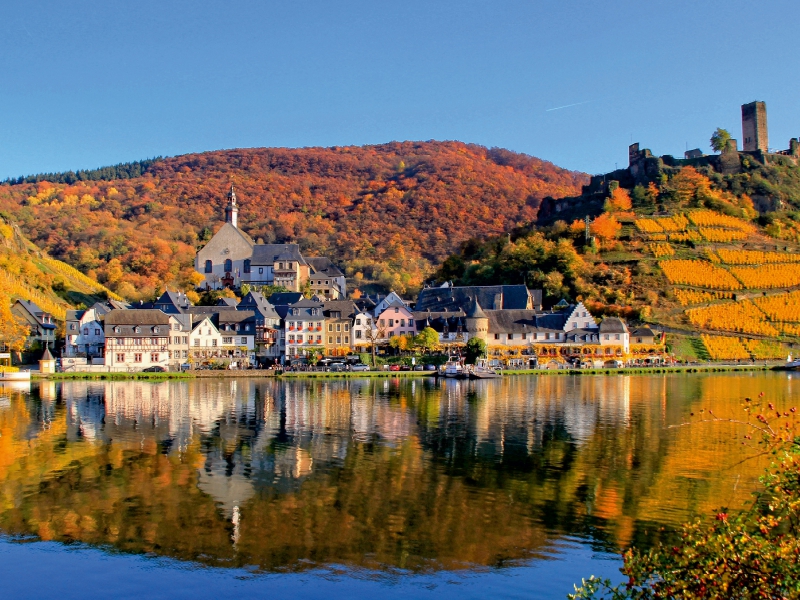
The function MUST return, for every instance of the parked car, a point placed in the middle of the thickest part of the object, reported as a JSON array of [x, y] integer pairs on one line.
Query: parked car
[[337, 367], [186, 367], [394, 367], [430, 367], [360, 367], [155, 369], [419, 368], [405, 367]]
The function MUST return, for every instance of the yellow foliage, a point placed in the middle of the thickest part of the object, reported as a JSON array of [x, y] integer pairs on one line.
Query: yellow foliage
[[647, 226], [724, 348], [709, 218], [699, 273], [688, 296], [764, 349], [722, 235], [782, 307], [742, 316], [768, 276], [662, 249], [755, 257]]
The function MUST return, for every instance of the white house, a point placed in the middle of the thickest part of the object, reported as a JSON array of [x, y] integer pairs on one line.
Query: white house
[[205, 340], [84, 332]]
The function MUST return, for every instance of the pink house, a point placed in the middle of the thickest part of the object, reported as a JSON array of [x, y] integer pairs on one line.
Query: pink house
[[396, 319]]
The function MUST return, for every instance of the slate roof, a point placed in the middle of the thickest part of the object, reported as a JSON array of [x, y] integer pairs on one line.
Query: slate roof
[[524, 321], [255, 301], [267, 254], [172, 302], [582, 336], [227, 302], [643, 332], [452, 297], [346, 307], [46, 355], [613, 325], [323, 266], [474, 311], [75, 315], [146, 316], [284, 298]]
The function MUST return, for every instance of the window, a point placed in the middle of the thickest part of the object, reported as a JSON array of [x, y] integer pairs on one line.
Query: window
[[358, 321], [382, 323], [154, 357], [347, 326], [227, 340], [347, 339], [338, 339], [357, 334], [616, 336], [299, 339], [120, 358], [524, 336], [155, 329], [209, 266], [244, 341], [85, 331], [338, 327], [605, 337], [402, 322], [260, 270], [511, 336], [116, 329], [214, 343], [197, 342], [330, 339], [228, 265], [247, 327], [391, 322], [547, 336], [137, 357], [247, 265], [185, 354], [72, 326], [319, 339], [137, 330], [396, 310], [330, 326], [497, 336], [120, 341]]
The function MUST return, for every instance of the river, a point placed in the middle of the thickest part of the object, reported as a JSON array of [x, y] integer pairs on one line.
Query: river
[[412, 488]]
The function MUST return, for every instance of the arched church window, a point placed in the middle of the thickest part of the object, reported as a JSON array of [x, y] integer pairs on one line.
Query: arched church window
[[228, 265]]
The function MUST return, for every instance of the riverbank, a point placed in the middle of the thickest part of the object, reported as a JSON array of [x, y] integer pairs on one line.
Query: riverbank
[[711, 368]]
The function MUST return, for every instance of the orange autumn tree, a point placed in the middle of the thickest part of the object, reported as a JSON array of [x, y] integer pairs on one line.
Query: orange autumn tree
[[620, 200], [606, 228], [13, 330]]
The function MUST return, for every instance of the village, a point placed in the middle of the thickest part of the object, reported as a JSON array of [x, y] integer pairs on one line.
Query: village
[[312, 322]]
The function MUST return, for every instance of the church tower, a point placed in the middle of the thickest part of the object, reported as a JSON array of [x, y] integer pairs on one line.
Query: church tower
[[232, 211]]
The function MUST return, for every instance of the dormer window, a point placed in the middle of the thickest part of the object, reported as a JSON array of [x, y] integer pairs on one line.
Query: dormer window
[[137, 330], [116, 329], [155, 329]]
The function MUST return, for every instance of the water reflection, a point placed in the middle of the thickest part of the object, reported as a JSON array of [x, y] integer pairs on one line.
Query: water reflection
[[392, 473]]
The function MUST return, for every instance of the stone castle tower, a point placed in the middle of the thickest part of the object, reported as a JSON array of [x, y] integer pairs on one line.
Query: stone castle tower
[[232, 211], [477, 321], [754, 126]]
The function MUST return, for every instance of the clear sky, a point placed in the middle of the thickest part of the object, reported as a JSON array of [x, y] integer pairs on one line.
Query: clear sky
[[86, 84]]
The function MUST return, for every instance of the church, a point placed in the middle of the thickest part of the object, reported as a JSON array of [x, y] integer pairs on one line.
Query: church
[[231, 258]]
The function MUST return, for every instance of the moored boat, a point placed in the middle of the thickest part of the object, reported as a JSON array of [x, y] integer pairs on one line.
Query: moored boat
[[15, 376], [453, 369], [482, 370]]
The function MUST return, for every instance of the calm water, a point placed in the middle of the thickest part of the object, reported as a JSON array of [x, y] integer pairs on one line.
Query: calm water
[[399, 487]]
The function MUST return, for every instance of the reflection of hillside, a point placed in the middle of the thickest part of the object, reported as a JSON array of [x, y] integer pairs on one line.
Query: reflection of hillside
[[398, 472]]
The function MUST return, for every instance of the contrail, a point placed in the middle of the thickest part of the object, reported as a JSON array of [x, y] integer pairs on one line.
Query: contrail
[[568, 105]]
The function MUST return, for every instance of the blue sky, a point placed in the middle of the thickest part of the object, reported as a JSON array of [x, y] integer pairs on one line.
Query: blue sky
[[86, 84]]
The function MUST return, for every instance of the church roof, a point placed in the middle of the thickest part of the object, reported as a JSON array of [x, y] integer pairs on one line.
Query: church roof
[[267, 254]]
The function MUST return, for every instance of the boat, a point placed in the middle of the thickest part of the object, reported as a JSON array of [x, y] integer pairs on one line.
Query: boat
[[791, 365], [453, 369], [15, 376], [482, 370]]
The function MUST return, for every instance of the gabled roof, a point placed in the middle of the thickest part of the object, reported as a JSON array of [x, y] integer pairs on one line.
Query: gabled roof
[[145, 316], [46, 354], [285, 298], [346, 307], [643, 332], [267, 254], [32, 308], [75, 315], [256, 301], [172, 302], [488, 296], [227, 302], [613, 325], [323, 266]]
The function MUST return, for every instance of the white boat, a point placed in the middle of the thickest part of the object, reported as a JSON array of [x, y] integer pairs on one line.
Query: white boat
[[453, 368], [15, 376], [482, 370]]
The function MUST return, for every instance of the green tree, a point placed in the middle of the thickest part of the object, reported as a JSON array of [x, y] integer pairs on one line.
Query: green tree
[[720, 139], [476, 348], [427, 339]]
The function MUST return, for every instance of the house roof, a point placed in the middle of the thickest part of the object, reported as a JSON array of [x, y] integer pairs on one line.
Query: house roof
[[643, 332], [474, 311], [284, 298], [613, 325], [145, 316], [522, 321], [267, 254], [46, 354], [227, 302], [488, 296], [323, 266], [256, 301], [75, 315], [346, 307]]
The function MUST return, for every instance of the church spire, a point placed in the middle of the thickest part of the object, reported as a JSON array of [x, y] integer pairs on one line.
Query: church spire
[[232, 211]]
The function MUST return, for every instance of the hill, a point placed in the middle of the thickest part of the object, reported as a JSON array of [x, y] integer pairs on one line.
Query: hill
[[28, 273], [686, 250], [388, 213]]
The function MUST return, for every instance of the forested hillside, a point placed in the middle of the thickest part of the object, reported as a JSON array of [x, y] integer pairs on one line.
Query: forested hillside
[[389, 214], [30, 274], [688, 251]]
